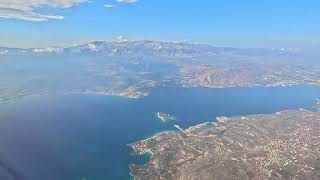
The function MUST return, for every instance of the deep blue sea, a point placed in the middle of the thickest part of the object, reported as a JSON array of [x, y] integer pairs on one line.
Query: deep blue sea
[[85, 137]]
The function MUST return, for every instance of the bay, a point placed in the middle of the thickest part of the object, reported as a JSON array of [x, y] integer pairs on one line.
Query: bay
[[85, 137]]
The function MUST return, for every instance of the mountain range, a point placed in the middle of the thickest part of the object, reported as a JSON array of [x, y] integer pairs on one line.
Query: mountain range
[[135, 68]]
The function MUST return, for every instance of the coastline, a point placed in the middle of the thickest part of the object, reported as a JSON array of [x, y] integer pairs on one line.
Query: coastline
[[152, 133], [218, 121], [139, 95], [222, 125]]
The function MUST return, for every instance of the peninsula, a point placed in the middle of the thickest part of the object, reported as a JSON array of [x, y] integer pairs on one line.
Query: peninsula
[[284, 145]]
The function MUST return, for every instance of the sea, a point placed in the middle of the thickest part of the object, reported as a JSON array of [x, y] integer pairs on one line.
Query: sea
[[86, 136]]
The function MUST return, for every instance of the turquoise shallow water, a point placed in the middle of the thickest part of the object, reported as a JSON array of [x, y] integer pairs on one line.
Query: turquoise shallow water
[[75, 137]]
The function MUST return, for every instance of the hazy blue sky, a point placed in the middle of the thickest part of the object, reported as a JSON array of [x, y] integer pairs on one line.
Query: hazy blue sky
[[238, 23]]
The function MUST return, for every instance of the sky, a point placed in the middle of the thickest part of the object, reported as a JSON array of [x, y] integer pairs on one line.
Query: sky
[[234, 23]]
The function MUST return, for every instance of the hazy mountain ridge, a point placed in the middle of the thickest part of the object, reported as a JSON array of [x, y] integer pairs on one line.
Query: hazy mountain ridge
[[134, 68], [155, 48]]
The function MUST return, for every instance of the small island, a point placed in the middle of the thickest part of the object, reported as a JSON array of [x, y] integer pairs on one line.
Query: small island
[[164, 117]]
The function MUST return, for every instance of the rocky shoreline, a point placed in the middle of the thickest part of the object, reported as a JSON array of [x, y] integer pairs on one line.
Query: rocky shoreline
[[281, 145]]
